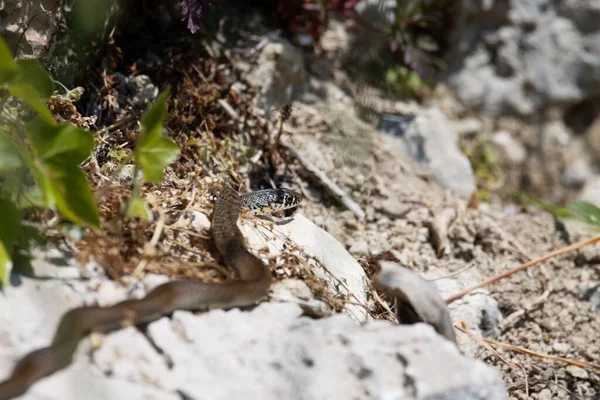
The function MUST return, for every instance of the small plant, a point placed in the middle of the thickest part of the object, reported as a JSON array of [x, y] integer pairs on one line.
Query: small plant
[[40, 157], [587, 213], [582, 211], [153, 152]]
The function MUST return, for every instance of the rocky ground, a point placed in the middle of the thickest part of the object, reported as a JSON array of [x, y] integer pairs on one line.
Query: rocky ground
[[398, 194]]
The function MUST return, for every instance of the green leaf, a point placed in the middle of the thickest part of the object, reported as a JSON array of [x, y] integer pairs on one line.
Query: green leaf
[[5, 265], [155, 156], [10, 158], [10, 233], [153, 152], [8, 68], [63, 144], [57, 152], [154, 116], [31, 73], [68, 188], [30, 96], [586, 212], [137, 207]]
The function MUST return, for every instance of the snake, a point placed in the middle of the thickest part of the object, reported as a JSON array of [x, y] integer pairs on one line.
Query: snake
[[252, 282]]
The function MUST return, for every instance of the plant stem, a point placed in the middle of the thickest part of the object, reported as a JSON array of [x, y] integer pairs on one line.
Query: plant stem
[[525, 266]]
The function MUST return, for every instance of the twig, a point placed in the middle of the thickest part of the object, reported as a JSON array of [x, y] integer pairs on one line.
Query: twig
[[118, 124], [508, 321], [23, 33], [438, 227], [486, 343], [331, 186], [452, 274], [227, 107], [522, 267], [578, 363], [150, 247], [572, 394], [385, 306]]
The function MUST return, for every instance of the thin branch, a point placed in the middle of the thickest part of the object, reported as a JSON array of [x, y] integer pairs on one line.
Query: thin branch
[[488, 346], [525, 266], [118, 124], [578, 363]]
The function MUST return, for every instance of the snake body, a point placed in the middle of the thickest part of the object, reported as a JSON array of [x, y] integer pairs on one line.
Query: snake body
[[253, 279]]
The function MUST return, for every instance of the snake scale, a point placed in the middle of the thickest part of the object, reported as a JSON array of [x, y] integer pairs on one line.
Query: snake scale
[[253, 279]]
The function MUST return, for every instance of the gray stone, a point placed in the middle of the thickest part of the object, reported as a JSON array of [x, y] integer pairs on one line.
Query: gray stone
[[467, 126], [322, 253], [478, 310], [522, 56], [591, 191], [394, 208], [431, 142], [277, 354], [359, 246], [512, 151], [16, 15], [137, 90], [577, 172], [280, 75], [414, 293], [577, 372], [590, 291]]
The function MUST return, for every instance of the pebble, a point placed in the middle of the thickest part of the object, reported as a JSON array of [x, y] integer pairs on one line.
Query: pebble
[[561, 348], [394, 208], [359, 247], [577, 372], [200, 222]]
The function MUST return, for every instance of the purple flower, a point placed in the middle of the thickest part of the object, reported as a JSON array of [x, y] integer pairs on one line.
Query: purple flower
[[191, 12]]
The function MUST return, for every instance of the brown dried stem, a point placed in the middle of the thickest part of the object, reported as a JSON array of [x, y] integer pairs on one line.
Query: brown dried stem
[[525, 266], [578, 363]]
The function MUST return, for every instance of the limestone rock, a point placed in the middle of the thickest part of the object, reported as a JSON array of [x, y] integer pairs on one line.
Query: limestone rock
[[479, 310], [431, 143], [327, 258], [522, 56], [280, 73], [15, 15], [277, 354]]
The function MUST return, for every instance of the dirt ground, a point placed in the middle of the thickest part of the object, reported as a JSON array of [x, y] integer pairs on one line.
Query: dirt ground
[[398, 200], [543, 309]]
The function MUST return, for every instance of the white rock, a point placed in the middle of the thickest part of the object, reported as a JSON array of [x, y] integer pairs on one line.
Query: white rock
[[200, 222], [478, 309], [279, 74], [129, 356], [268, 353], [326, 256], [271, 353], [431, 142], [511, 150], [359, 246], [298, 292], [591, 191], [467, 126]]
